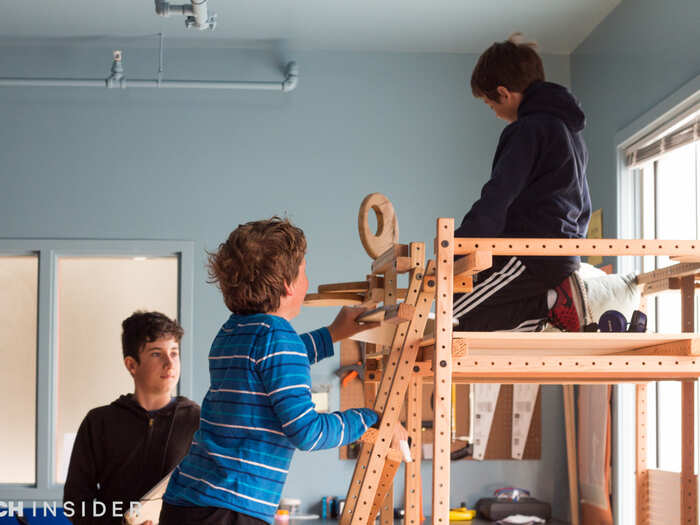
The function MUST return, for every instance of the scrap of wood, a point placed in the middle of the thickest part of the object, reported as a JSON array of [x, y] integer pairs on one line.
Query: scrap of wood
[[394, 314], [389, 257], [333, 299]]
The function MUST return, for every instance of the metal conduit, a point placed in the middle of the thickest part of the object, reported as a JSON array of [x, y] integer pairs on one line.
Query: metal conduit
[[119, 81]]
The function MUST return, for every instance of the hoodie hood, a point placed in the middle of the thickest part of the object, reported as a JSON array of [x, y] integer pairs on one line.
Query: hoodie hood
[[128, 402], [553, 99]]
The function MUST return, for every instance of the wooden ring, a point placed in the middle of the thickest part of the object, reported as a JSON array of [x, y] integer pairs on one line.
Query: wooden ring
[[387, 233]]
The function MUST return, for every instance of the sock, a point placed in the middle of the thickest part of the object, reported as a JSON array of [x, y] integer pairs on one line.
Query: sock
[[551, 298]]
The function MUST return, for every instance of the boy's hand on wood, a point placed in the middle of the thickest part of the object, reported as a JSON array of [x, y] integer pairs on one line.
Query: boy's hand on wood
[[345, 324]]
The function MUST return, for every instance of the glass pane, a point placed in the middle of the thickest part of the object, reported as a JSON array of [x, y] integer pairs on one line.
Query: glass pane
[[669, 425], [19, 278], [94, 296], [676, 207]]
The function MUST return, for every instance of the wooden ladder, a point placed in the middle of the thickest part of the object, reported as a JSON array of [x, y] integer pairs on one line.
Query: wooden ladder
[[377, 463]]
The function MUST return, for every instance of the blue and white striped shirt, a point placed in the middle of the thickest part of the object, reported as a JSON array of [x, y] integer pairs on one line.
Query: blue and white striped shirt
[[256, 412]]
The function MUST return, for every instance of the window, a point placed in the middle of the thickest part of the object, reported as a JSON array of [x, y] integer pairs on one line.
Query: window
[[61, 308], [659, 198], [95, 294], [19, 279]]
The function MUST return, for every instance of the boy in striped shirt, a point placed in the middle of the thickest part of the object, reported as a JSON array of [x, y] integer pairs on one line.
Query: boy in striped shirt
[[258, 408]]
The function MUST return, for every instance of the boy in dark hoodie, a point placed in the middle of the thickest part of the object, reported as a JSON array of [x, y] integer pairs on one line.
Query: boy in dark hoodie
[[123, 449], [538, 188]]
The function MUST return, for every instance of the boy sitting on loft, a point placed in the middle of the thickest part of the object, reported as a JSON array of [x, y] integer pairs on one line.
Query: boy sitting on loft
[[538, 188]]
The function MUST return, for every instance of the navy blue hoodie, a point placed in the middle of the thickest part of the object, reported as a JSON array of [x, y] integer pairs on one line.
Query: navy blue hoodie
[[538, 185]]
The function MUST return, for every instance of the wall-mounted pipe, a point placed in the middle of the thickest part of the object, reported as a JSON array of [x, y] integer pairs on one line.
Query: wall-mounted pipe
[[196, 13], [118, 80]]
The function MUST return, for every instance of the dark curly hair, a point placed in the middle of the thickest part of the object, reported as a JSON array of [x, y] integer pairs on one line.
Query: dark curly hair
[[145, 327], [512, 64], [256, 261]]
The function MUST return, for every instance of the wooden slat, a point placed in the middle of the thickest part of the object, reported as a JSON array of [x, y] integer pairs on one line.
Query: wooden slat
[[558, 247], [333, 299], [359, 287], [565, 343], [675, 270]]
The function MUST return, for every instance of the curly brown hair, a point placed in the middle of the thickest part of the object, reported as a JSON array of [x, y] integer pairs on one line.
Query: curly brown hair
[[513, 64], [145, 327], [256, 261]]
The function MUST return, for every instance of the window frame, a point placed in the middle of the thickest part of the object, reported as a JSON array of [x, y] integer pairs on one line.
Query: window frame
[[628, 226], [48, 252]]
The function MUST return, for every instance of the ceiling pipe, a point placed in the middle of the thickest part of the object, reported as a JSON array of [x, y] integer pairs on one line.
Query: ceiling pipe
[[117, 79], [196, 13]]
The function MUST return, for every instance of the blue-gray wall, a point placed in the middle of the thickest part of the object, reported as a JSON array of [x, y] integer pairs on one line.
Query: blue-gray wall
[[640, 54], [148, 164]]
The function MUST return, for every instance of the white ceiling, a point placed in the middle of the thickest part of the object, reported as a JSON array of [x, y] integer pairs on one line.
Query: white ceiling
[[461, 26]]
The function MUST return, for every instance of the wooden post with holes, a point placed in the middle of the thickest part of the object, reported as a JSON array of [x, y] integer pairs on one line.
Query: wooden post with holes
[[689, 485], [414, 420], [641, 471], [442, 370], [386, 511]]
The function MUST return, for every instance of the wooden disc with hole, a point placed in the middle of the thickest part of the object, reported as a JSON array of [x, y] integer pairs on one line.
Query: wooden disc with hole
[[387, 234]]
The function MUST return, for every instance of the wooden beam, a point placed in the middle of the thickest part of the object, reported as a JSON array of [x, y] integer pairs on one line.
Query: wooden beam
[[442, 369], [412, 481], [566, 343], [473, 262], [675, 270], [353, 287], [641, 471], [559, 247], [567, 367], [689, 481], [333, 299]]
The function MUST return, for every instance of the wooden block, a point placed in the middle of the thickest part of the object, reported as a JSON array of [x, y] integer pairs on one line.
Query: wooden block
[[333, 299], [463, 284], [472, 263], [389, 257], [354, 287], [459, 347]]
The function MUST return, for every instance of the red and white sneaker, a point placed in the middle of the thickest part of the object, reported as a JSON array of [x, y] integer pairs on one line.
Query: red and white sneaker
[[567, 312]]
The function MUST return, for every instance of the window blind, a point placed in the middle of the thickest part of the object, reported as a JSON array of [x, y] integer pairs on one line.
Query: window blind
[[677, 132]]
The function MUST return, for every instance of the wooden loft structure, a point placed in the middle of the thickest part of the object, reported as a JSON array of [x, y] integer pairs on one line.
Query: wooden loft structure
[[408, 356]]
